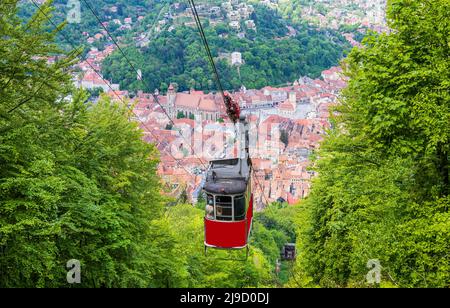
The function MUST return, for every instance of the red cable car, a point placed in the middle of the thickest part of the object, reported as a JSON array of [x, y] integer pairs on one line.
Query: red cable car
[[229, 201]]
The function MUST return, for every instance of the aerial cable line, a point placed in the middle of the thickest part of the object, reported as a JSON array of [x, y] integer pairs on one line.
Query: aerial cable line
[[219, 84], [27, 99], [115, 93], [155, 97], [207, 49], [35, 93], [260, 187], [233, 108], [216, 74], [155, 21]]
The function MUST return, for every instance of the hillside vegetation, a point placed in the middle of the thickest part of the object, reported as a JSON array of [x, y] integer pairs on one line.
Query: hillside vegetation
[[383, 186], [270, 55]]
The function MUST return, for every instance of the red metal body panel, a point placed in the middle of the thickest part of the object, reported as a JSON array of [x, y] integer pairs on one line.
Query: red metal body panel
[[225, 234], [249, 215], [229, 234]]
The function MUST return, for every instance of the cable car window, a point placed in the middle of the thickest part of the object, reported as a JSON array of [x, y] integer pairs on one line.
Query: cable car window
[[224, 208], [209, 206], [209, 199], [239, 208], [223, 199]]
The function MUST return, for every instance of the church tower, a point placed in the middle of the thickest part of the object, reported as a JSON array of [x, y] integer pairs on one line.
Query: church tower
[[171, 97]]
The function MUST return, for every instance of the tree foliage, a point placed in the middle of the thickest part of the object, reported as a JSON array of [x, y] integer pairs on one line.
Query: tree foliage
[[382, 190], [77, 181]]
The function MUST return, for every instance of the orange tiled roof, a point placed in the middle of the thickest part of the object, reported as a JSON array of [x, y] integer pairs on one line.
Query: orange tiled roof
[[287, 106], [207, 105]]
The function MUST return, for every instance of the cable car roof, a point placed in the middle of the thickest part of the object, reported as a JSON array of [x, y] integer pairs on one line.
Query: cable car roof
[[224, 176]]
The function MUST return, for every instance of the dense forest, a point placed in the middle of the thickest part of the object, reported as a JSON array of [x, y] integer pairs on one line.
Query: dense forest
[[78, 182], [383, 187]]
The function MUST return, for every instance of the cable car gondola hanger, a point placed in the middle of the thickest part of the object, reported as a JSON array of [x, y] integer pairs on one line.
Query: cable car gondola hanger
[[229, 199]]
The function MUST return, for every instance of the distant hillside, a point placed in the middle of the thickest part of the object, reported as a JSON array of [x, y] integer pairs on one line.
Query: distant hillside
[[161, 38], [273, 53]]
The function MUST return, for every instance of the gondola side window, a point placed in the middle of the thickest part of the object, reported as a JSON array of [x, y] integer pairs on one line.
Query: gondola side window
[[239, 208], [209, 206]]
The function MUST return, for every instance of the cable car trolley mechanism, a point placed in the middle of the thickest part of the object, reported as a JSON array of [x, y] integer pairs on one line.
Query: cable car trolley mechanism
[[229, 199]]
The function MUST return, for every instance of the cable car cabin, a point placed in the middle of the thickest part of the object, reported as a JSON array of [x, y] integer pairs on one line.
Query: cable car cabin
[[229, 203], [288, 252]]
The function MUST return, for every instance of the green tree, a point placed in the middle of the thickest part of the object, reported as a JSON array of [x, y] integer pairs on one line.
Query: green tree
[[30, 95], [77, 181], [382, 190]]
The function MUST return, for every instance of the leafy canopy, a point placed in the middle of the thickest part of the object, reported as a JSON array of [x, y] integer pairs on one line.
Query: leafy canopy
[[382, 190]]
